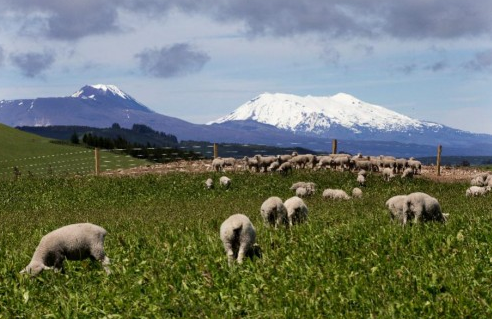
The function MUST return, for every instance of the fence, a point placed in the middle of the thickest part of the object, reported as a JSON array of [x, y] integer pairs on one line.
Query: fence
[[89, 161]]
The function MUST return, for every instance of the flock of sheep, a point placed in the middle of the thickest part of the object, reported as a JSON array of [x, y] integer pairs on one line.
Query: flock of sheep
[[238, 235]]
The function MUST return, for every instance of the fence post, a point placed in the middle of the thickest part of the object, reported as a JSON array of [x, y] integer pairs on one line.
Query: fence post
[[216, 150], [439, 150], [334, 146], [96, 160]]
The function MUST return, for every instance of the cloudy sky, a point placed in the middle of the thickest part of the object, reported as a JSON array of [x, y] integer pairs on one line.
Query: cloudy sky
[[199, 60]]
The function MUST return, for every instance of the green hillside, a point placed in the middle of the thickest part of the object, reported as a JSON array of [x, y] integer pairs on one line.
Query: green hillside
[[36, 155]]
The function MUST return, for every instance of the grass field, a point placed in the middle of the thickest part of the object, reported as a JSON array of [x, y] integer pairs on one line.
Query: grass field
[[36, 155], [347, 261]]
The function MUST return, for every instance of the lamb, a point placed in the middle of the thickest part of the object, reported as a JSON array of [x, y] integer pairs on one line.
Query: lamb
[[297, 211], [273, 167], [209, 183], [396, 206], [265, 161], [477, 191], [335, 194], [388, 174], [71, 242], [356, 193], [238, 236], [423, 207], [361, 180], [274, 212], [407, 173], [225, 181]]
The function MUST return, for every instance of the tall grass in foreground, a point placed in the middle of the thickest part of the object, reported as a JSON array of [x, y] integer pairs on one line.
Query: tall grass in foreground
[[348, 261]]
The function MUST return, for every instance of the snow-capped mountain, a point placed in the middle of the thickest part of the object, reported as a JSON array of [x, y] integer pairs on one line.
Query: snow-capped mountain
[[316, 115], [343, 116]]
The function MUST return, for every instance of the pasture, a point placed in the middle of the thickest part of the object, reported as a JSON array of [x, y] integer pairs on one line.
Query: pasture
[[347, 261]]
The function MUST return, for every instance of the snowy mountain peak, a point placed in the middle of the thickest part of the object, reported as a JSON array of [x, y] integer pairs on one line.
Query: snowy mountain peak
[[312, 114], [90, 91]]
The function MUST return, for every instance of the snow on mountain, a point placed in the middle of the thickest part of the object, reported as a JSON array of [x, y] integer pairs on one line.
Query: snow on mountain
[[316, 115], [89, 90]]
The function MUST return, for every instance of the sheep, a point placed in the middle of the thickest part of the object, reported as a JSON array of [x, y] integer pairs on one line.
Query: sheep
[[251, 162], [229, 161], [218, 164], [225, 181], [401, 163], [310, 186], [356, 193], [415, 165], [209, 183], [480, 179], [361, 180], [238, 236], [71, 242], [388, 173], [297, 211], [265, 161], [274, 212], [273, 167], [283, 158], [299, 161], [363, 165], [362, 172], [396, 206], [407, 173], [284, 168], [335, 194], [477, 191], [324, 161], [305, 191], [423, 207]]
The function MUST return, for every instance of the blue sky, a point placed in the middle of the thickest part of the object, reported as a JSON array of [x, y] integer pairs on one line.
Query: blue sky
[[199, 60]]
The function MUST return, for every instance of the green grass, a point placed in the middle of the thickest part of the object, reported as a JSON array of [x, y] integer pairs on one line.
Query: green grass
[[347, 261], [36, 155]]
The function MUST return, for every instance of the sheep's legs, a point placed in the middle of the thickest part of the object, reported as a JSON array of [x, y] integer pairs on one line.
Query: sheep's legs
[[105, 262]]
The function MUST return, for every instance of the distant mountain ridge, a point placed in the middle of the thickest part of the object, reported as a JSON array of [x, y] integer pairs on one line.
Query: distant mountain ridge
[[283, 120]]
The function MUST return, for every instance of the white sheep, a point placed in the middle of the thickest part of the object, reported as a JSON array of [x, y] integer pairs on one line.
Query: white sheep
[[209, 183], [356, 193], [71, 242], [422, 207], [388, 174], [284, 168], [477, 191], [238, 236], [297, 211], [396, 206], [274, 212], [407, 173], [218, 164], [480, 179], [361, 180], [310, 185], [273, 167], [225, 181], [335, 194]]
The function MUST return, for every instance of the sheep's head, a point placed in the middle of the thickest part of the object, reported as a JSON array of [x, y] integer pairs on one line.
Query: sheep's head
[[255, 251]]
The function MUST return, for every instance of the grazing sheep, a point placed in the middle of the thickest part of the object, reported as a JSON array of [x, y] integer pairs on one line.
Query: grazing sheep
[[324, 161], [274, 212], [477, 191], [306, 185], [283, 158], [251, 162], [265, 161], [388, 174], [209, 183], [229, 161], [363, 165], [356, 193], [407, 173], [273, 167], [396, 206], [71, 242], [423, 207], [284, 168], [225, 181], [335, 194], [299, 161], [415, 165], [305, 191], [218, 164], [401, 163], [297, 211], [238, 236], [480, 179], [362, 172], [361, 180]]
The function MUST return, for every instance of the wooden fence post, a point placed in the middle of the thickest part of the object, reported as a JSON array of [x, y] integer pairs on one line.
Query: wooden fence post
[[334, 146], [439, 150], [97, 161], [216, 150]]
